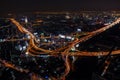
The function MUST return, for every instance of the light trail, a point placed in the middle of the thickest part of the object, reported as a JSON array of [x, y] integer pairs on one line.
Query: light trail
[[12, 66], [90, 54]]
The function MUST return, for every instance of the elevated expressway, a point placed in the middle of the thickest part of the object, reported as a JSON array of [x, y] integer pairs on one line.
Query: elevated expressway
[[34, 50]]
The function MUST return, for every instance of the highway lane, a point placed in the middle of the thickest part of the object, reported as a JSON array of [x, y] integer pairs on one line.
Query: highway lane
[[90, 54], [12, 66]]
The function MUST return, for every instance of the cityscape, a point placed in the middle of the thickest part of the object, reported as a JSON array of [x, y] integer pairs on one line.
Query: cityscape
[[60, 46], [59, 40]]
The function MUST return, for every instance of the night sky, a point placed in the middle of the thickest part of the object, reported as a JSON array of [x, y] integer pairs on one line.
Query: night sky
[[57, 5]]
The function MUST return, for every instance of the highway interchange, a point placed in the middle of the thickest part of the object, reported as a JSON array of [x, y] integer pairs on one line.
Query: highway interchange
[[34, 50]]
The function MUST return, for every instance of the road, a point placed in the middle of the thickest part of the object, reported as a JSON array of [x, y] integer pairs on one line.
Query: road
[[12, 66]]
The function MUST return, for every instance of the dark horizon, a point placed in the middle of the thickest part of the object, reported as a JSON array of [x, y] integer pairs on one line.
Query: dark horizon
[[19, 6]]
